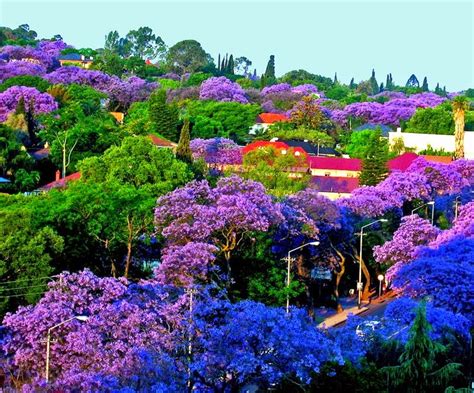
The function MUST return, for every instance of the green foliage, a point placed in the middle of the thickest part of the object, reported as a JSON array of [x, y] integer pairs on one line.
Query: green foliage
[[338, 92], [183, 151], [418, 372], [373, 83], [74, 136], [187, 56], [110, 63], [338, 378], [300, 134], [26, 254], [139, 163], [429, 151], [276, 171], [87, 97], [431, 121], [270, 70], [25, 80], [15, 163], [166, 84], [299, 77], [227, 119], [137, 121], [374, 157], [164, 117], [197, 78]]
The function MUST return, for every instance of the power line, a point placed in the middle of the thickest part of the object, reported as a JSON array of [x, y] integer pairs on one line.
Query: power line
[[16, 288], [21, 295], [28, 279]]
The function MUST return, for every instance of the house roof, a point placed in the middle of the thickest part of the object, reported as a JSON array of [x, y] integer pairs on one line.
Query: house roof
[[335, 163], [312, 149], [371, 126], [441, 159], [39, 154], [340, 185], [402, 162], [161, 142], [270, 118], [61, 183], [260, 144], [119, 116]]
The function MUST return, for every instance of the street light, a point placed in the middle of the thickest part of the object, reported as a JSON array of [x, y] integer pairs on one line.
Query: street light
[[380, 278], [81, 318], [288, 272], [359, 283], [432, 204]]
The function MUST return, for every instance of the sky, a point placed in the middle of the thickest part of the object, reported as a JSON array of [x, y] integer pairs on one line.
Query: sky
[[426, 38]]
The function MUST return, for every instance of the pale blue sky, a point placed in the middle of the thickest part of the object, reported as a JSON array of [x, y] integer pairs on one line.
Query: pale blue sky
[[427, 38]]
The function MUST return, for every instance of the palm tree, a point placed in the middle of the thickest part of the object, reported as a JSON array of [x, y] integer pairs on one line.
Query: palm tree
[[460, 105], [417, 370]]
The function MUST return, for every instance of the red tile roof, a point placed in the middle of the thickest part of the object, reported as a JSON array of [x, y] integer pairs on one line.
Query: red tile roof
[[61, 182], [335, 163], [270, 118], [161, 142], [441, 159], [334, 184], [402, 162], [260, 144]]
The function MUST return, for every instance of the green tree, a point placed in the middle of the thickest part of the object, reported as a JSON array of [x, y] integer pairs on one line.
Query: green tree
[[163, 116], [460, 106], [270, 70], [25, 80], [374, 160], [145, 44], [276, 171], [112, 42], [230, 65], [187, 56], [15, 163], [307, 113], [425, 87], [373, 83], [418, 371], [437, 120], [109, 62], [183, 151], [26, 254], [226, 119]]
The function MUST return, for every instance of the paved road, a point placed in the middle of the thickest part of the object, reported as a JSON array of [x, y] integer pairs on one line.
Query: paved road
[[374, 309]]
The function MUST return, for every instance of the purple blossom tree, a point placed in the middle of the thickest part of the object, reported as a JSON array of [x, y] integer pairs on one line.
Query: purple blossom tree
[[413, 232], [444, 274], [222, 89], [16, 68], [217, 151], [40, 102], [223, 216]]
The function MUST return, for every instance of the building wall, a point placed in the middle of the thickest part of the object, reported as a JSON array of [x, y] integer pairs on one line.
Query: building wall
[[421, 141], [333, 172], [335, 195]]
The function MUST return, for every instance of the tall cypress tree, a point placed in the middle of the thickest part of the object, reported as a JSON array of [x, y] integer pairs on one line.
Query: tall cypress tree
[[424, 87], [418, 371], [163, 116], [373, 83], [352, 84], [230, 66], [374, 164], [183, 151], [219, 63], [438, 90], [335, 79], [270, 70], [381, 88]]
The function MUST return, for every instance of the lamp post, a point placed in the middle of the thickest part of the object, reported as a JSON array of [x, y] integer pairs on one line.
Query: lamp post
[[81, 318], [432, 204], [359, 283], [288, 272], [380, 278]]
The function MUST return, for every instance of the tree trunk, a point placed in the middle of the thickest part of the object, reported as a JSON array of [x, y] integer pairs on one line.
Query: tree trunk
[[339, 275], [365, 292], [459, 133], [129, 246]]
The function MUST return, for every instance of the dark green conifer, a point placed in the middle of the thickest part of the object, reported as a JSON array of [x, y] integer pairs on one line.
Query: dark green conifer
[[183, 151]]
